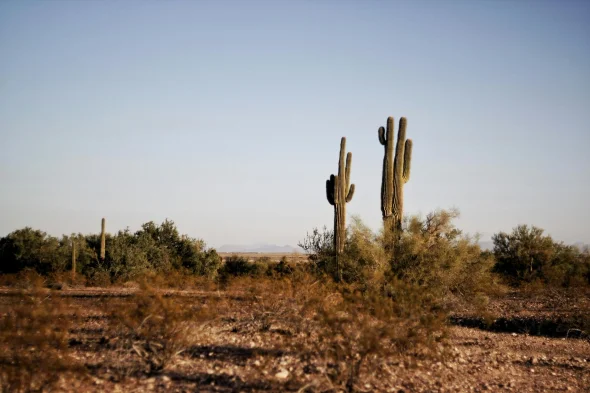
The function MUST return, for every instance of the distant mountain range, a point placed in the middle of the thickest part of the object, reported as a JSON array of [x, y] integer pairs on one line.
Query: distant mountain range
[[260, 248]]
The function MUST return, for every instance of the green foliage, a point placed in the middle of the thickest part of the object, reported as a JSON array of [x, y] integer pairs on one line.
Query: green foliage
[[154, 248], [526, 255], [238, 266], [361, 260], [280, 269], [434, 254]]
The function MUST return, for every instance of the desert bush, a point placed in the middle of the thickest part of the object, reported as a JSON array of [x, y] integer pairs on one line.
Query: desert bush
[[154, 248], [432, 253], [527, 255], [319, 245], [33, 337], [158, 328], [29, 248], [280, 269], [355, 326], [362, 260], [238, 266]]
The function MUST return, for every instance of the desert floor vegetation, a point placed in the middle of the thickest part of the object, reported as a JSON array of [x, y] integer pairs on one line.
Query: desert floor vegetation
[[427, 312]]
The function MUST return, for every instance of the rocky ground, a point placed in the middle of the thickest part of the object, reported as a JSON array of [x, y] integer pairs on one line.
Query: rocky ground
[[235, 352]]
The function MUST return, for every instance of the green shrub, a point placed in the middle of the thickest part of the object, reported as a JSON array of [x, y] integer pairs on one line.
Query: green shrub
[[280, 269], [527, 255], [152, 249], [434, 254], [362, 259], [238, 266]]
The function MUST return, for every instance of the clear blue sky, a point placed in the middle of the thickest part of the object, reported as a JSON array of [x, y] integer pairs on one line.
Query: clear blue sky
[[226, 116]]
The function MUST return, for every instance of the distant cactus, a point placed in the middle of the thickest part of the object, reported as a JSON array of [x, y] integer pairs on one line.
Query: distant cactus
[[102, 240], [339, 191], [73, 259], [396, 172]]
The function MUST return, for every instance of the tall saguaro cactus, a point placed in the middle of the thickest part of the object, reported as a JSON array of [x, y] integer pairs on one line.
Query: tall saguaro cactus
[[73, 259], [396, 173], [339, 191], [102, 239]]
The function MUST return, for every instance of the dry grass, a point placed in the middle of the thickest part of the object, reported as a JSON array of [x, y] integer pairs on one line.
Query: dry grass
[[33, 338], [255, 334]]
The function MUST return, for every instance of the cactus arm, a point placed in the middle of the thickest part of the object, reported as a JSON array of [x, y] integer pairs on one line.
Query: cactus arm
[[381, 133], [350, 193], [407, 160], [330, 190], [347, 174], [342, 168], [399, 148]]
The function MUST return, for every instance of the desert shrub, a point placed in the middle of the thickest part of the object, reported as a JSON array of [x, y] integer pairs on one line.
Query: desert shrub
[[25, 279], [356, 326], [527, 255], [432, 253], [319, 245], [154, 248], [280, 269], [33, 337], [158, 328], [364, 260], [238, 266], [361, 260], [29, 248]]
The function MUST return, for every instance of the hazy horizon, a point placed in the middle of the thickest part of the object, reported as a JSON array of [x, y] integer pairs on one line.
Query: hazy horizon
[[226, 117]]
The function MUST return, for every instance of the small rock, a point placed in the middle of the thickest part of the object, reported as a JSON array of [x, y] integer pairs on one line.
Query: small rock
[[283, 374], [514, 334], [257, 362]]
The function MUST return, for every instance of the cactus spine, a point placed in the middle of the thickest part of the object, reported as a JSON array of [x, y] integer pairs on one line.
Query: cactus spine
[[339, 191], [73, 259], [102, 240], [396, 173]]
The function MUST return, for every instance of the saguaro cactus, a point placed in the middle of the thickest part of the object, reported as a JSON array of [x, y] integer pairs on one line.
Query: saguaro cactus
[[339, 191], [396, 172], [102, 240], [73, 259]]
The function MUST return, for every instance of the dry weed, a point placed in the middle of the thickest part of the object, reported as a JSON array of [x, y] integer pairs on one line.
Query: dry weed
[[33, 335]]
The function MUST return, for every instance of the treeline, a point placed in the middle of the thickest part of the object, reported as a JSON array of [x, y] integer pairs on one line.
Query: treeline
[[152, 249], [429, 251]]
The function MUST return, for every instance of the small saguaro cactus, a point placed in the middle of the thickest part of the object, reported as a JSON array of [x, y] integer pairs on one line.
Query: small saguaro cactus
[[102, 239], [396, 172], [73, 259], [339, 191]]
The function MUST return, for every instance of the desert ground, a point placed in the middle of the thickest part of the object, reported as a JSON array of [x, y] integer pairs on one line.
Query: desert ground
[[235, 339]]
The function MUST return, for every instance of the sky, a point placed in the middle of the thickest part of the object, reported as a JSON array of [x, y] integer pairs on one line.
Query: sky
[[226, 116]]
